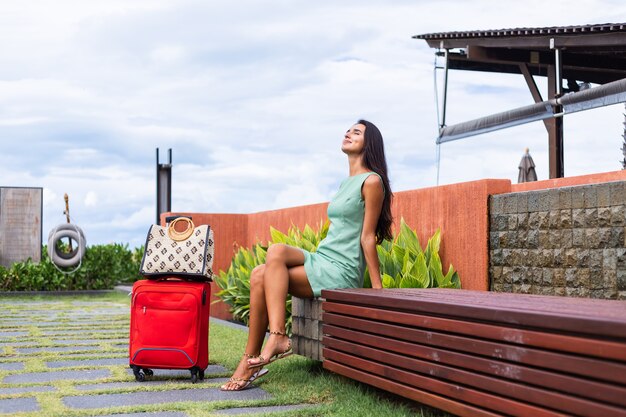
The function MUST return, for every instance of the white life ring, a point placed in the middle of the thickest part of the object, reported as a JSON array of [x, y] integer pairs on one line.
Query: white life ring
[[70, 231]]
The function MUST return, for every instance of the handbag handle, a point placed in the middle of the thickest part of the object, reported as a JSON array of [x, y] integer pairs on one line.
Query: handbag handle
[[177, 236]]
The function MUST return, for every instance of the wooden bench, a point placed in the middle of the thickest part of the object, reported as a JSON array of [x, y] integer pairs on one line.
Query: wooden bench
[[475, 353]]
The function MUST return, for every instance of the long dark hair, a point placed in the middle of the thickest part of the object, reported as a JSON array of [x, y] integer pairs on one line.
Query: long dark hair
[[374, 159]]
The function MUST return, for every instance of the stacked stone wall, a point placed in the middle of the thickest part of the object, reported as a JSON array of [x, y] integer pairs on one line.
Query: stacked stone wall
[[568, 241], [306, 329]]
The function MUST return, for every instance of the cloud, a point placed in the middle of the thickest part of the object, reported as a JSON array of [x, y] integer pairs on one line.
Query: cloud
[[91, 199], [253, 98]]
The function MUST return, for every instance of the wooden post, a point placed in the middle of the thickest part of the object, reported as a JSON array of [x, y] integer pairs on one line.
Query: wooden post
[[67, 217], [555, 130]]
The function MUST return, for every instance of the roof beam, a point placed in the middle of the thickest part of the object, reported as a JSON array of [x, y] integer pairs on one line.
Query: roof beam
[[532, 42], [570, 59], [534, 91], [588, 74]]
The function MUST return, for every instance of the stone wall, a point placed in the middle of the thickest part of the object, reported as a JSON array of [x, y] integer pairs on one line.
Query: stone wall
[[565, 241], [306, 328]]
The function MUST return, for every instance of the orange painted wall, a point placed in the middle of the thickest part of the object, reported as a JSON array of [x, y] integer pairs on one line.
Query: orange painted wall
[[259, 223], [459, 210]]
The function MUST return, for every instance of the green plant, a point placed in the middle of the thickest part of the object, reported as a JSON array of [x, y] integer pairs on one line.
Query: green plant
[[403, 263], [102, 267], [235, 282]]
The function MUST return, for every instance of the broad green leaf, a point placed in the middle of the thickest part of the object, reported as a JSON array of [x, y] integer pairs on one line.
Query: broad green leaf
[[409, 238], [421, 270], [447, 279], [308, 233], [398, 254], [434, 267], [410, 281], [260, 253], [455, 281], [277, 236], [367, 282], [435, 241], [388, 281]]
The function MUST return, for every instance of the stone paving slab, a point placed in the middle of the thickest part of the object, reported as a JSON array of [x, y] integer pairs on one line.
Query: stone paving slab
[[85, 341], [157, 414], [259, 410], [88, 362], [3, 344], [58, 349], [170, 396], [86, 356], [148, 382], [36, 377], [15, 405], [11, 366], [65, 320], [61, 332], [42, 323], [13, 334], [22, 390]]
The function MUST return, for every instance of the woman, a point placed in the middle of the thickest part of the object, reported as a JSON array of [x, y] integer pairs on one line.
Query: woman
[[360, 217]]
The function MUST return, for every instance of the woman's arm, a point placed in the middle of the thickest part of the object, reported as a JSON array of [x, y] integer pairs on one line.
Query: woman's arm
[[373, 196]]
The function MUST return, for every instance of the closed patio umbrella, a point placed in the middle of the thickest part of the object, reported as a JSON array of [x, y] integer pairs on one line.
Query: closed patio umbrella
[[527, 169]]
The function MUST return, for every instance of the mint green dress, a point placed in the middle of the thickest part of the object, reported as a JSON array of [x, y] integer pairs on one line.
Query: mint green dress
[[339, 261]]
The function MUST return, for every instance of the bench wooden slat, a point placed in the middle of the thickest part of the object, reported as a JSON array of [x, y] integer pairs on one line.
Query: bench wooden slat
[[462, 393], [556, 313], [594, 307], [513, 390], [424, 397], [593, 347], [590, 389], [593, 368]]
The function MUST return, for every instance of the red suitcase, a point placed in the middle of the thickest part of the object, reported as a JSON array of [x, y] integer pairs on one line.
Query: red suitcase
[[169, 327]]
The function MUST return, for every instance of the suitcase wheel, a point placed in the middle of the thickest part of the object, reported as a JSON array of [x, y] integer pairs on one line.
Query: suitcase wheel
[[141, 373], [196, 374]]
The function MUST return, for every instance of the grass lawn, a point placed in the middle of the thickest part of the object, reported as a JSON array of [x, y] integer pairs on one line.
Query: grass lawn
[[294, 380]]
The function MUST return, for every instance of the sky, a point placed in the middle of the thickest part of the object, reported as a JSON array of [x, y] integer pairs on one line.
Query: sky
[[253, 98]]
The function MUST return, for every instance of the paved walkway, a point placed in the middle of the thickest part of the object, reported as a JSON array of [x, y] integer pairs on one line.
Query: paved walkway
[[59, 355]]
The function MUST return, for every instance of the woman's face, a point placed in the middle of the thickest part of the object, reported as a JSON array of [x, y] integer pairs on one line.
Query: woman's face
[[354, 140]]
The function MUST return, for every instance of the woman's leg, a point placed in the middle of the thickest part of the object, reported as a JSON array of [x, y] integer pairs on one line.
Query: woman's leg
[[284, 273], [257, 328]]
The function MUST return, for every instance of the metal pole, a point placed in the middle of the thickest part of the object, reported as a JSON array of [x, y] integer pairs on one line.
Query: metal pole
[[558, 68], [445, 90]]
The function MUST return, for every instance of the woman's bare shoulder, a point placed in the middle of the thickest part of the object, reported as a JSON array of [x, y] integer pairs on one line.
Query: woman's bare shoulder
[[373, 183]]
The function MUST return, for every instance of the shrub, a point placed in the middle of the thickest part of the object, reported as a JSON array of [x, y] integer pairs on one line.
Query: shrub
[[103, 266], [235, 282], [403, 263]]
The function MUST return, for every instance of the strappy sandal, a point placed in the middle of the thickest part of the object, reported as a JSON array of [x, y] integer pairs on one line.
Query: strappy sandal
[[243, 383], [274, 357]]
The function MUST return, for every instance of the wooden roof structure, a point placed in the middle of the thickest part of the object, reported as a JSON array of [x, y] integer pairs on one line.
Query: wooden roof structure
[[575, 55]]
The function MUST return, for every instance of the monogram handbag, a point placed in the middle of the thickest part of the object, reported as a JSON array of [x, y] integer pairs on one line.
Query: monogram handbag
[[187, 254]]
